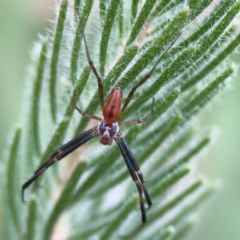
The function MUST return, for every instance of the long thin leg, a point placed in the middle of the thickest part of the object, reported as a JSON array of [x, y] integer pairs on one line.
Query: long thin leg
[[81, 112], [60, 154], [91, 64], [140, 120], [134, 177], [147, 76], [133, 162]]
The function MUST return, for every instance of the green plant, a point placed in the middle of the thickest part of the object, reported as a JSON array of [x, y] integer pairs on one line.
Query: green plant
[[186, 81]]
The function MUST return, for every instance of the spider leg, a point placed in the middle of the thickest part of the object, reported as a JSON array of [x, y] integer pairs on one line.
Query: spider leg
[[60, 154], [133, 162], [140, 120], [80, 111], [136, 175], [91, 64], [135, 179], [148, 75]]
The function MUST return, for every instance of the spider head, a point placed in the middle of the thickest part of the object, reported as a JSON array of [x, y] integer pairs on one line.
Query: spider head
[[107, 132]]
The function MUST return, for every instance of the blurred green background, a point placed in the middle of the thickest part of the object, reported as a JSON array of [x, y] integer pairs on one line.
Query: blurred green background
[[20, 23]]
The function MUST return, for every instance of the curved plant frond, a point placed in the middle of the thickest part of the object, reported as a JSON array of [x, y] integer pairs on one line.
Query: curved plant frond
[[90, 193]]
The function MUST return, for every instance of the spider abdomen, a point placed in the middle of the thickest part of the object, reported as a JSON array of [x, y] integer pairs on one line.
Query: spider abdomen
[[112, 109]]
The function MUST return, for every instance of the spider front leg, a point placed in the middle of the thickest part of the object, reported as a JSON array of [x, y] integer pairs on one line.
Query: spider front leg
[[135, 166], [59, 154], [135, 173]]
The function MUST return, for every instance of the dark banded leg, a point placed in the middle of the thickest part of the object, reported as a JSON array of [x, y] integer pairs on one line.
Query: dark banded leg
[[134, 177], [60, 154], [133, 162]]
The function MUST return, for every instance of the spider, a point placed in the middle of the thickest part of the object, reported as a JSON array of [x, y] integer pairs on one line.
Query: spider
[[107, 129]]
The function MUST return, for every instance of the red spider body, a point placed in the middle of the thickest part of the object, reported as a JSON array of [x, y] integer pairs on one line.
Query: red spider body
[[112, 109]]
